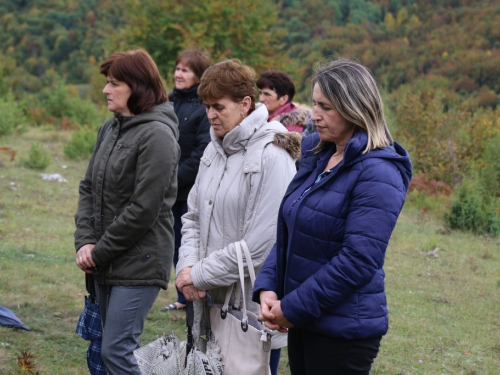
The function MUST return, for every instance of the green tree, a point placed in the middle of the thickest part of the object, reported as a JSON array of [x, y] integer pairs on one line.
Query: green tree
[[389, 21], [244, 29]]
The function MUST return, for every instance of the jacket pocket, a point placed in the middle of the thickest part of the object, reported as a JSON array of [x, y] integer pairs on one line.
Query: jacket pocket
[[136, 262], [122, 152], [147, 243]]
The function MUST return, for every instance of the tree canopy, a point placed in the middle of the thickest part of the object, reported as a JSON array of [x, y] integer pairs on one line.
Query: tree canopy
[[243, 29], [436, 61]]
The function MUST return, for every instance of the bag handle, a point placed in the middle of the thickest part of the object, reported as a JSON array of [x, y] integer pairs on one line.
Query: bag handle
[[248, 257], [239, 255], [251, 271], [240, 292]]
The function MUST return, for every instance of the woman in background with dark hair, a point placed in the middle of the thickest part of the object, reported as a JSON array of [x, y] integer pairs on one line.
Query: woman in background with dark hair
[[124, 222], [276, 93], [194, 135]]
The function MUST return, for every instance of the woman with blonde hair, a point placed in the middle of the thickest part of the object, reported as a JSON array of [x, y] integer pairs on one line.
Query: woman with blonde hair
[[324, 279], [243, 174]]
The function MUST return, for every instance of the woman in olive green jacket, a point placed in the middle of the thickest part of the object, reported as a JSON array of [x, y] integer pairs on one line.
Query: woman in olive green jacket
[[124, 223]]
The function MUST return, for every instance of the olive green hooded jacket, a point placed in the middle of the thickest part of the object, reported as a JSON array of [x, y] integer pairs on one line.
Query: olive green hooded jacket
[[126, 198]]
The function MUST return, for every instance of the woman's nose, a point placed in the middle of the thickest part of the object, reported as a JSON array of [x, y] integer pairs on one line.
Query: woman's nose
[[211, 114], [314, 115]]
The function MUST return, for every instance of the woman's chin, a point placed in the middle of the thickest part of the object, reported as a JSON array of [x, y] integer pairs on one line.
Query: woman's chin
[[325, 137], [182, 86]]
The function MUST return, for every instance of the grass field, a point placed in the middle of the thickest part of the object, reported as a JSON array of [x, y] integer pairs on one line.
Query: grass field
[[444, 304]]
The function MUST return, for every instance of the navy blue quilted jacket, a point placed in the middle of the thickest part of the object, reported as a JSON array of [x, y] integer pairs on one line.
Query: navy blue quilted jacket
[[330, 277]]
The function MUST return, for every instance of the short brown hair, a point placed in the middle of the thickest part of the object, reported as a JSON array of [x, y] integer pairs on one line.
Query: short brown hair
[[228, 78], [196, 60], [138, 70], [278, 81]]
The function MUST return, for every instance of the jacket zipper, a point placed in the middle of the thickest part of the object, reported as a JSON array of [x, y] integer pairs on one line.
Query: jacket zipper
[[111, 263], [304, 195], [119, 123]]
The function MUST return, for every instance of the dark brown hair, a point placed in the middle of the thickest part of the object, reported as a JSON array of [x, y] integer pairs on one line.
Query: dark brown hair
[[228, 78], [138, 70], [278, 81], [196, 60]]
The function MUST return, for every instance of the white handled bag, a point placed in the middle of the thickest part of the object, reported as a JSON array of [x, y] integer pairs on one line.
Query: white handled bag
[[245, 342]]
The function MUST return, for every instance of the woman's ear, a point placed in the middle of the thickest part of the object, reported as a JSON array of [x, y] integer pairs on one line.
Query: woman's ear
[[246, 103], [283, 100]]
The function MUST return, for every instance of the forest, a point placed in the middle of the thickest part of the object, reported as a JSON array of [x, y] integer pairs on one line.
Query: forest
[[436, 62]]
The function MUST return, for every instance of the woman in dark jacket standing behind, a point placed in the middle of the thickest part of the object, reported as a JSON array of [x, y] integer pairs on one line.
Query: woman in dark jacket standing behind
[[124, 222], [194, 136], [324, 278]]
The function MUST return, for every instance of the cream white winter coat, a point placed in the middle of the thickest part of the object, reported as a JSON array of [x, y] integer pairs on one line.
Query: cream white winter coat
[[236, 196]]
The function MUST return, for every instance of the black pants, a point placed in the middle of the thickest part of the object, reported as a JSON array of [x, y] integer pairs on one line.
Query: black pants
[[310, 353]]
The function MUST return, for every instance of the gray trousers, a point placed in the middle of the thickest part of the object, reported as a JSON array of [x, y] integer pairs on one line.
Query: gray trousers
[[123, 311]]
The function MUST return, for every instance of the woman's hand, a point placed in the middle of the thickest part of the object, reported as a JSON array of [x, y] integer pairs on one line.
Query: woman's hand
[[184, 278], [84, 258], [271, 313], [184, 283], [266, 297], [191, 293], [280, 318]]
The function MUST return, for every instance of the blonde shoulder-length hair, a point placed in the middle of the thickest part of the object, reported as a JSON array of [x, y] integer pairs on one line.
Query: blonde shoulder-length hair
[[353, 91]]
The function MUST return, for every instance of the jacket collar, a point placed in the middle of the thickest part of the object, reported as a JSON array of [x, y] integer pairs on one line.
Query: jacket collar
[[252, 135], [163, 113], [190, 93], [288, 107], [238, 138], [353, 153]]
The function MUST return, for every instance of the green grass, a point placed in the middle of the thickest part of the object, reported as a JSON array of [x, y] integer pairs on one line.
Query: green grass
[[444, 311]]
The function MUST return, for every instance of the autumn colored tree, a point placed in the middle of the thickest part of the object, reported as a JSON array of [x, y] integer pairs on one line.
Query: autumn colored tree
[[243, 29], [445, 144]]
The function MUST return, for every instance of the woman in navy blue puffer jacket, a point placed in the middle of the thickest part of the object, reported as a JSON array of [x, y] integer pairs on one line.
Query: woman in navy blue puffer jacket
[[324, 278]]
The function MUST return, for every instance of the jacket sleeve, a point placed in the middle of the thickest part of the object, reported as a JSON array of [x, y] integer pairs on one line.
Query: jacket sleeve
[[190, 248], [376, 201], [266, 279], [84, 233], [157, 158], [220, 268], [188, 168]]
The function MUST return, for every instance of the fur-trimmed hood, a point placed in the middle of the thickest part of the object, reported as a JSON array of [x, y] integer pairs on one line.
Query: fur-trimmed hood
[[299, 116], [290, 141]]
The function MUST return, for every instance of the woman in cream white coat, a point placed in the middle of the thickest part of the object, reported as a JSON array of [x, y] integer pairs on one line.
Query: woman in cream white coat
[[244, 173]]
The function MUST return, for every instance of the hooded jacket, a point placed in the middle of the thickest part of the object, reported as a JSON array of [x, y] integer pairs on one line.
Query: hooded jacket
[[236, 196], [327, 269], [126, 198], [194, 136]]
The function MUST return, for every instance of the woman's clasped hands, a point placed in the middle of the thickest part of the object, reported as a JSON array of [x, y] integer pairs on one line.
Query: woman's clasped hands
[[84, 258], [184, 283], [271, 313]]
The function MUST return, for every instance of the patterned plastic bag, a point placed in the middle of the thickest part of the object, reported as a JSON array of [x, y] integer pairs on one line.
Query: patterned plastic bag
[[167, 356]]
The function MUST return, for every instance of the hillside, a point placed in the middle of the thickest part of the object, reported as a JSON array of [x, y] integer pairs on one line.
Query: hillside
[[436, 62], [43, 39], [453, 44], [450, 44]]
